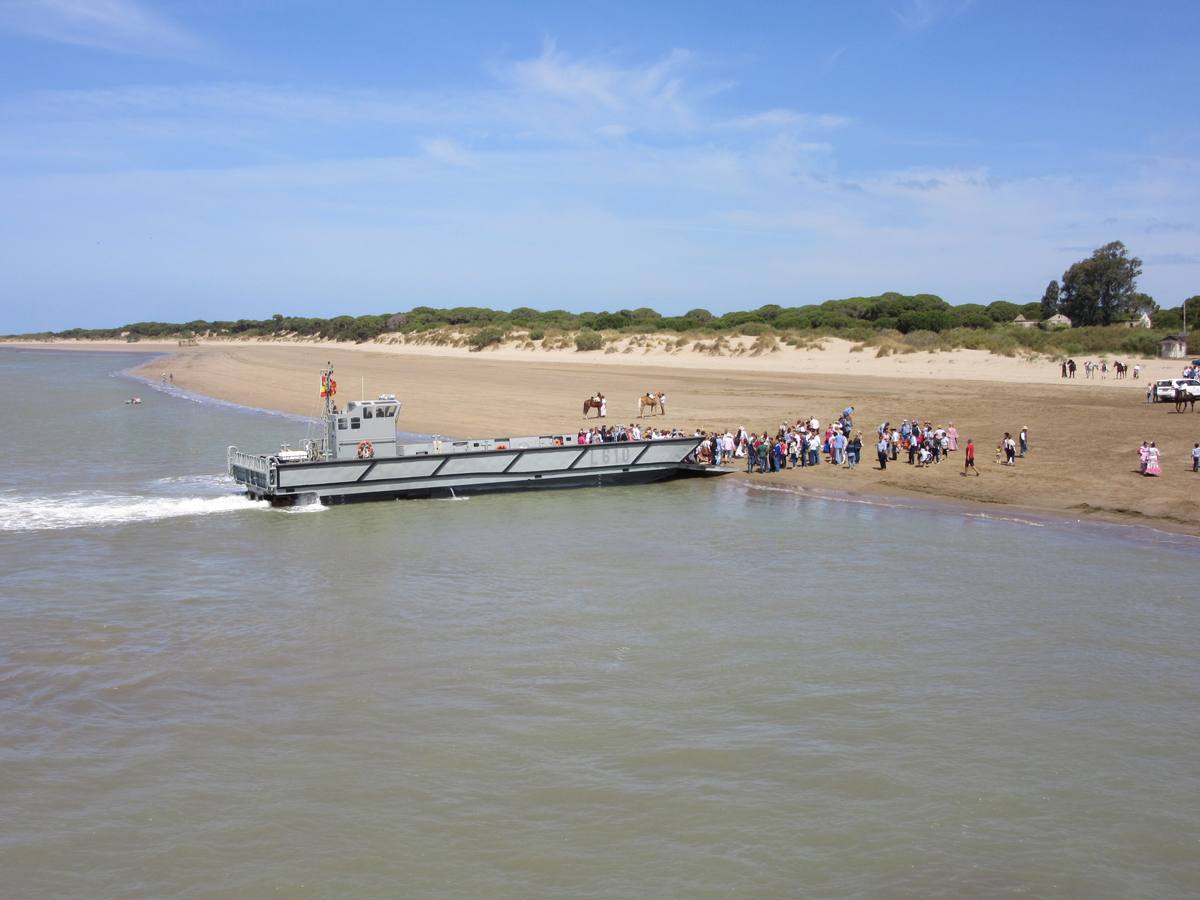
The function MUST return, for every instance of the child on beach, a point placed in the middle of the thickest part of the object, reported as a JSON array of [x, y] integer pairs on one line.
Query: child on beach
[[1196, 458]]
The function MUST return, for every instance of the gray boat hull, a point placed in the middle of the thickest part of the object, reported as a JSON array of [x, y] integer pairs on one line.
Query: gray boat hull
[[466, 474]]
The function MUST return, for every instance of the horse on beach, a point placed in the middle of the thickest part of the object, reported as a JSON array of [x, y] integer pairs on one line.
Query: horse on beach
[[1182, 399], [652, 401], [596, 403]]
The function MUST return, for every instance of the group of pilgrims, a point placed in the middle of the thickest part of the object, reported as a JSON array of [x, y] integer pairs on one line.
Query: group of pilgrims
[[603, 434], [804, 443]]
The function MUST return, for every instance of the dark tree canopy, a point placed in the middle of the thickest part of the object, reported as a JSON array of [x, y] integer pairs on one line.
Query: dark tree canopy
[[1102, 289], [1049, 301]]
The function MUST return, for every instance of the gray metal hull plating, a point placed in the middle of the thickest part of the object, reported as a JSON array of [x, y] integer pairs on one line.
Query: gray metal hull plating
[[465, 474]]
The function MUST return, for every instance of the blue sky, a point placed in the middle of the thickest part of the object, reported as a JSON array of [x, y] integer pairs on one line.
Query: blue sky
[[207, 159]]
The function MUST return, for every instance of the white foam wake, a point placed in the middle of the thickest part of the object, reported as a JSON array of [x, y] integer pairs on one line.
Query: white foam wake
[[216, 480], [305, 503], [80, 510]]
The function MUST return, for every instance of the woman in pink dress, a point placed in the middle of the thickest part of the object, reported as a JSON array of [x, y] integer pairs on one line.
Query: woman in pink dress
[[952, 437], [1152, 456]]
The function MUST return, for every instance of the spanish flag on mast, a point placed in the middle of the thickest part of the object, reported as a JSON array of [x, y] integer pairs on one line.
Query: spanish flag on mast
[[328, 386]]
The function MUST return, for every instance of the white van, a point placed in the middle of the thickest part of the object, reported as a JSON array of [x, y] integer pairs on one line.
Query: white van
[[1164, 391]]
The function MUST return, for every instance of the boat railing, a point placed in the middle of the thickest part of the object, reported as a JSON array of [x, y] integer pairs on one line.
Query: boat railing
[[248, 468]]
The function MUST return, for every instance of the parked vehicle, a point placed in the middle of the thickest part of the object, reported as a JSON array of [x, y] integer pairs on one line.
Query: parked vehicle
[[1164, 391]]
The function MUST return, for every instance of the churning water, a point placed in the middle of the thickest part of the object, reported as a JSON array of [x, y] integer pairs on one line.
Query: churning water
[[684, 690]]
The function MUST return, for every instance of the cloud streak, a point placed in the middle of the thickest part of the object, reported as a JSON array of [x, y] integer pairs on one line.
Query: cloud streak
[[117, 26], [920, 15]]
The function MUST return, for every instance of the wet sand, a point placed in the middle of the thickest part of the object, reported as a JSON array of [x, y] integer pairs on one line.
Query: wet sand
[[1083, 434]]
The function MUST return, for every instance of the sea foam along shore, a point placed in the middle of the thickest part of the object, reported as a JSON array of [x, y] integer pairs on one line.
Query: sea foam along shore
[[1084, 433]]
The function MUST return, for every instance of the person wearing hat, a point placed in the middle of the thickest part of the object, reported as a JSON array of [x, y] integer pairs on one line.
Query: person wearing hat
[[1024, 437]]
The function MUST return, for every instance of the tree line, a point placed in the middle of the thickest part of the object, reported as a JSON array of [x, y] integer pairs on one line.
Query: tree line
[[1098, 291]]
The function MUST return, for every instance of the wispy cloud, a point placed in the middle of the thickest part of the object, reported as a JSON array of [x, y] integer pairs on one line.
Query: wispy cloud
[[1173, 259], [118, 26], [448, 151], [918, 15], [785, 118], [614, 87]]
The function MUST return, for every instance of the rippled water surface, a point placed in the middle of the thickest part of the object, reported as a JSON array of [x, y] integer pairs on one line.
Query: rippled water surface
[[685, 690]]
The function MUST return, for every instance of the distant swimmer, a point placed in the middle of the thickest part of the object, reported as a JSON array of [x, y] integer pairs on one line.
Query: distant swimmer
[[133, 401]]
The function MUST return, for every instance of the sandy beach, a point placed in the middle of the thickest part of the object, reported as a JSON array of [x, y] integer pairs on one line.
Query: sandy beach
[[1083, 433]]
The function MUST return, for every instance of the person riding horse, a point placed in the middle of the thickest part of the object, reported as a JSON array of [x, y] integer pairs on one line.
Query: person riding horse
[[595, 402], [655, 401]]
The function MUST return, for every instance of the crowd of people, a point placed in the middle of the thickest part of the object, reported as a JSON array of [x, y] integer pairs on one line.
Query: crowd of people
[[804, 443], [603, 434]]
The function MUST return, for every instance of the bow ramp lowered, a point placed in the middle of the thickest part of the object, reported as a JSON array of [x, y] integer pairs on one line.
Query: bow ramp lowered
[[359, 458]]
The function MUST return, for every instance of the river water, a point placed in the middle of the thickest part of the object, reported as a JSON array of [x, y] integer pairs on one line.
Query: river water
[[687, 690]]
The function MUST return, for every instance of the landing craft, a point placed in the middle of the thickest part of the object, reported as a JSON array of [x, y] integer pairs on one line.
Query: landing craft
[[359, 458]]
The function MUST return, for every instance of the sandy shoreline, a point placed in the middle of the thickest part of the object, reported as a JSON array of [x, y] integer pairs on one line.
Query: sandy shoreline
[[828, 356], [1084, 433]]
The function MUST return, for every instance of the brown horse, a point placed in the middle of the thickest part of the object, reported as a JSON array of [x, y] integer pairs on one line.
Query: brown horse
[[1121, 368], [596, 403], [1182, 399], [653, 401]]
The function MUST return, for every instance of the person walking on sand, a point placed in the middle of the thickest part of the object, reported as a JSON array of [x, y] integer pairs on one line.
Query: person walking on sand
[[1024, 437], [1153, 455], [1196, 458], [969, 460], [882, 450], [1010, 450]]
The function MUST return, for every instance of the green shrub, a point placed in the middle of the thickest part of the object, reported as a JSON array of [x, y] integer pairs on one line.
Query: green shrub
[[588, 340], [1141, 342], [536, 334], [754, 329], [922, 340], [485, 337]]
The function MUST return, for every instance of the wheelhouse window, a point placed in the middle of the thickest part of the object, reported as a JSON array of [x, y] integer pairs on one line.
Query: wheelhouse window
[[355, 423], [341, 424]]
